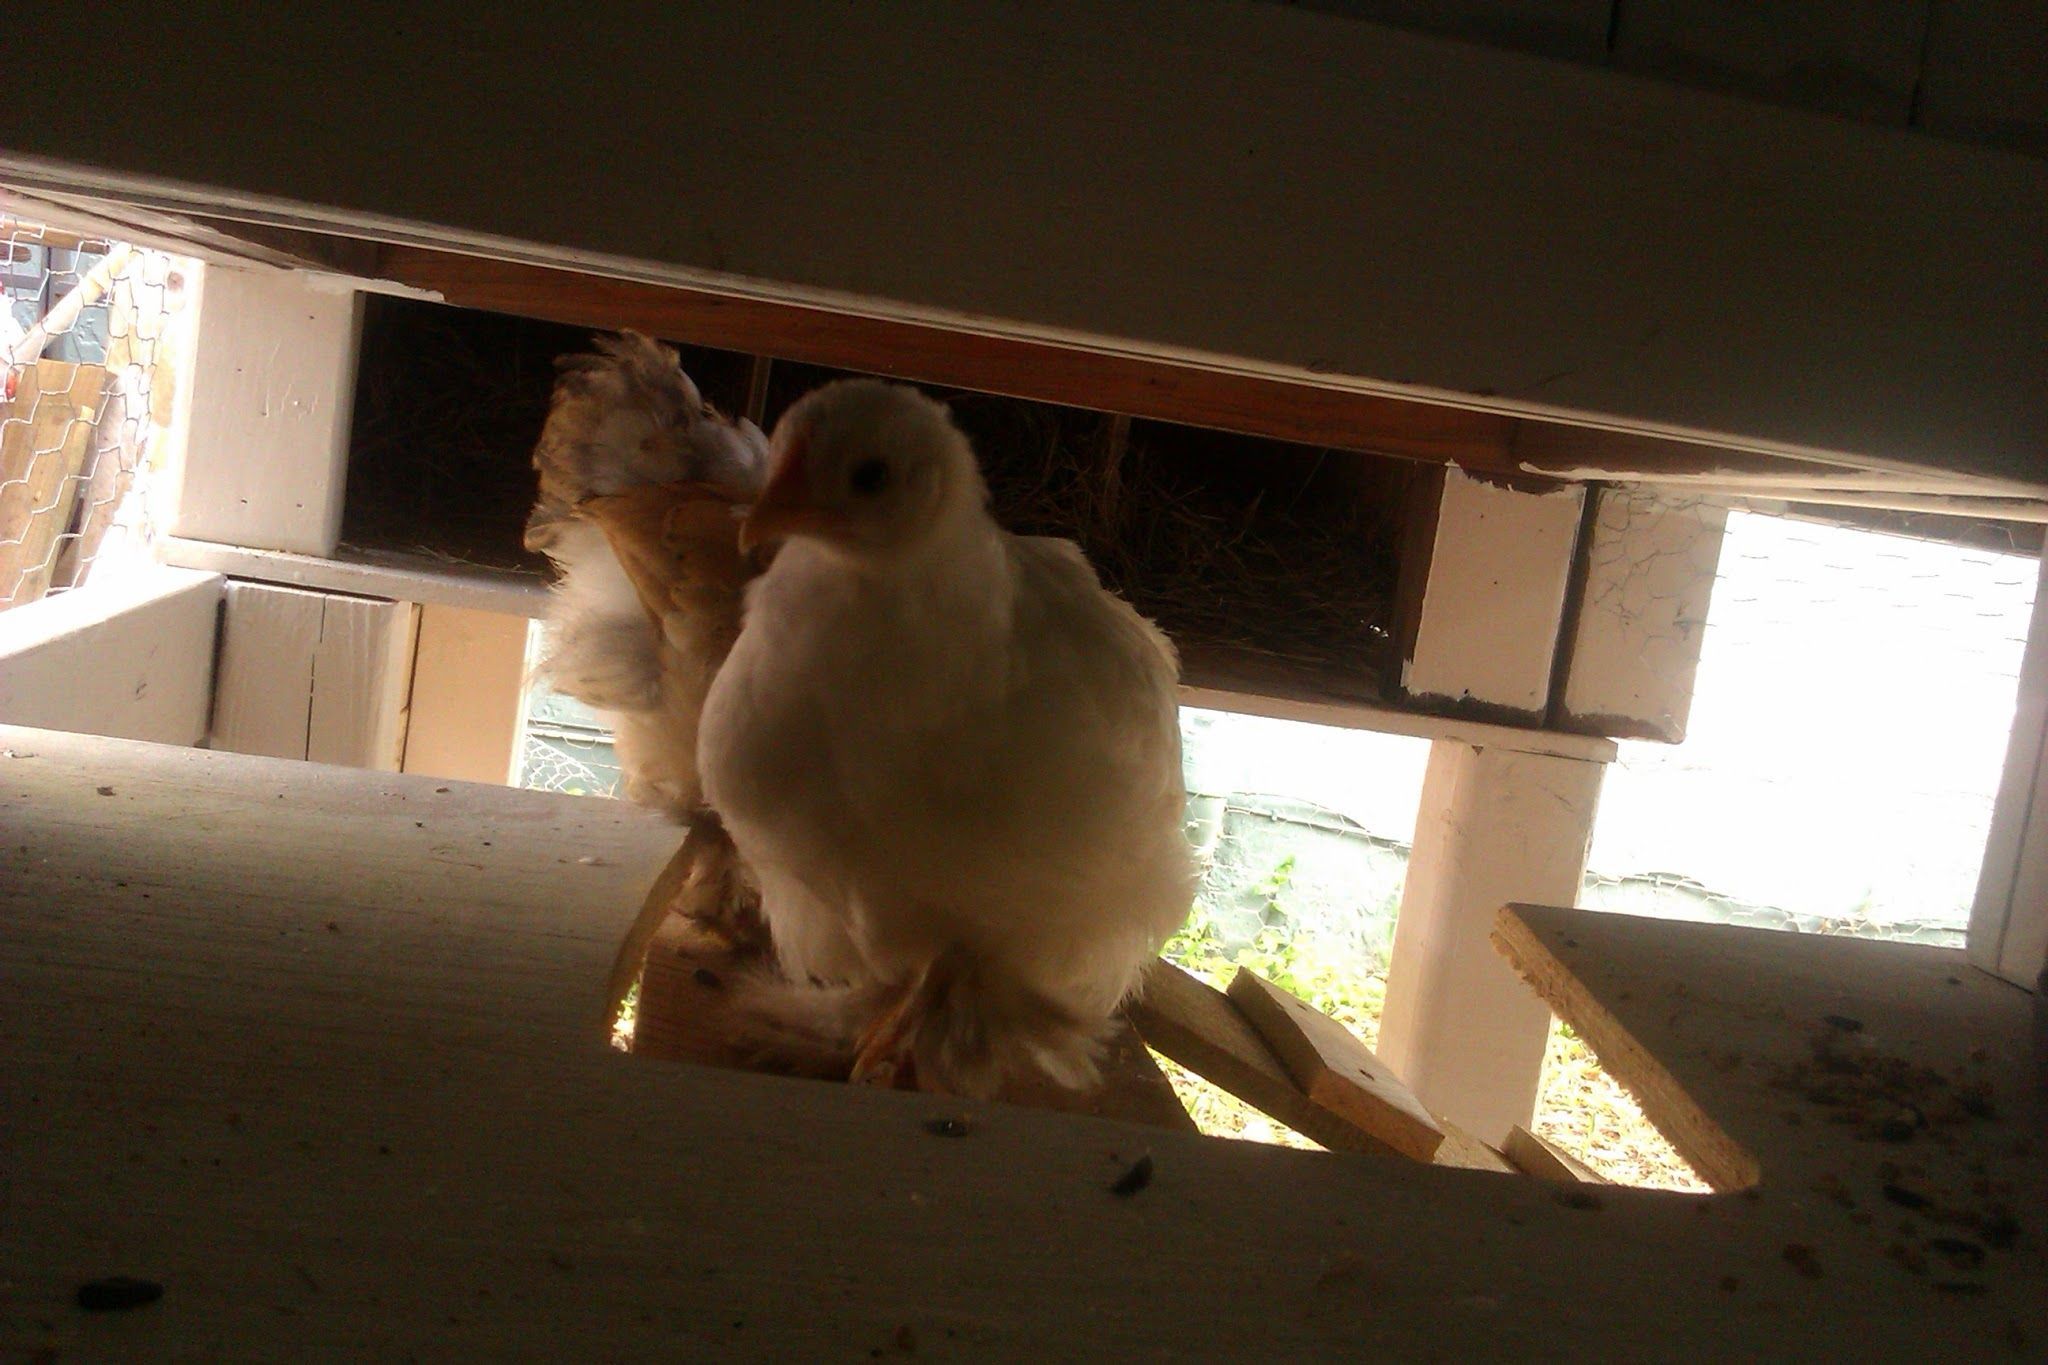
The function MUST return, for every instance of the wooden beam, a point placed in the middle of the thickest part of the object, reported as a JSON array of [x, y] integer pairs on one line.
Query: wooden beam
[[1561, 450], [1645, 581], [314, 675], [46, 436], [2009, 914], [1196, 395], [1486, 618]]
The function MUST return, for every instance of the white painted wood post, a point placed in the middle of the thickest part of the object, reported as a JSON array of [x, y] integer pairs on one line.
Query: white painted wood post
[[265, 453], [1650, 562], [1492, 591], [1495, 825], [314, 675], [2009, 919], [468, 695]]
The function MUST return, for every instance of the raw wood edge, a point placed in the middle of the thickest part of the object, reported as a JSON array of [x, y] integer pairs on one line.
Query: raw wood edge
[[1545, 1160], [1718, 1158], [1322, 1066]]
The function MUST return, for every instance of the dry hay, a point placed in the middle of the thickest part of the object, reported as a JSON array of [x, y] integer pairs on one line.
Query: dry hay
[[1230, 543]]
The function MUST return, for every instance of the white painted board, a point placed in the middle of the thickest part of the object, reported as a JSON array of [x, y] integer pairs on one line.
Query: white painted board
[[130, 661], [1495, 597], [1650, 563], [273, 384]]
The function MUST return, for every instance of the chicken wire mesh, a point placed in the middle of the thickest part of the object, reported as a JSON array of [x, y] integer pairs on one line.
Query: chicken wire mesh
[[90, 335]]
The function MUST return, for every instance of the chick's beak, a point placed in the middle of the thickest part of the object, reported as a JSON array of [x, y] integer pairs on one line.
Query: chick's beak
[[784, 508]]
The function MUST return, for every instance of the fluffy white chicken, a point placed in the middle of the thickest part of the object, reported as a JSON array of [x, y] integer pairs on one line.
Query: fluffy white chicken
[[949, 757], [640, 482]]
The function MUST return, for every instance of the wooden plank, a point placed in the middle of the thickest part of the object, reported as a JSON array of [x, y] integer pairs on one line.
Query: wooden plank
[[1465, 1152], [2016, 842], [1198, 1026], [362, 682], [46, 432], [1458, 1027], [1859, 58], [1986, 73], [1557, 450], [1733, 303], [378, 1007], [407, 578], [263, 694], [1497, 576], [1648, 569], [266, 443], [133, 661], [1721, 1159], [1535, 1155], [468, 694], [1012, 366], [1890, 1087], [1334, 1068]]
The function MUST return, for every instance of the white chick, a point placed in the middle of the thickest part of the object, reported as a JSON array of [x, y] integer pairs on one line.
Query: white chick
[[949, 757]]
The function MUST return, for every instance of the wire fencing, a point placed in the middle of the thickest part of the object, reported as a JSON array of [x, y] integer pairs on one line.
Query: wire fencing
[[92, 333]]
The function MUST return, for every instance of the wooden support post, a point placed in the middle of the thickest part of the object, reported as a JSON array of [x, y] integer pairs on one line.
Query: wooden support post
[[1482, 593], [1459, 1027], [1648, 576], [133, 662], [2009, 918], [468, 695], [273, 382]]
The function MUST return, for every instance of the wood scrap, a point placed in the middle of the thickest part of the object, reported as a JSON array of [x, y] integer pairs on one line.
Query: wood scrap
[[1196, 1025], [1544, 1159], [1336, 1070], [1466, 1152]]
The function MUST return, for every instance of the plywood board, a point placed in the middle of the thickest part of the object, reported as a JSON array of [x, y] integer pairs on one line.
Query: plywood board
[[1334, 1069], [356, 1099]]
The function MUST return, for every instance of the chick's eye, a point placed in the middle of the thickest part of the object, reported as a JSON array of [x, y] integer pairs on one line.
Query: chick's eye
[[869, 477]]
